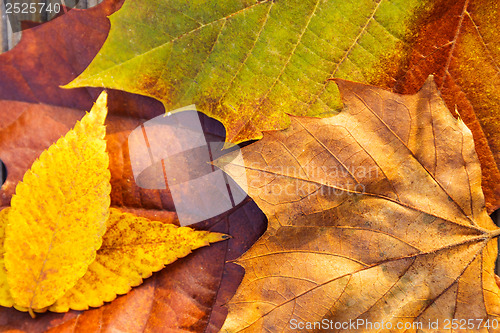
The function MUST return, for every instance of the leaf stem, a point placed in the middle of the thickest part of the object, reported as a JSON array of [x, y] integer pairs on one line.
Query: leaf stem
[[495, 233]]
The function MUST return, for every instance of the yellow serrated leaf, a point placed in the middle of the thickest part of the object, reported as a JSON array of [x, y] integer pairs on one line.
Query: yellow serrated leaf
[[5, 297], [58, 214], [132, 249]]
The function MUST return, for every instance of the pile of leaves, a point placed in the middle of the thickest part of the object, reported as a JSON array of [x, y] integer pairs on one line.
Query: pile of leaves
[[63, 247], [376, 192]]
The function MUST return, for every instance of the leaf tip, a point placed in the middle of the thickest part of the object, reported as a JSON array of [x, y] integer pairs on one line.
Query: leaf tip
[[430, 84], [215, 237], [71, 85], [100, 109], [226, 159], [102, 100]]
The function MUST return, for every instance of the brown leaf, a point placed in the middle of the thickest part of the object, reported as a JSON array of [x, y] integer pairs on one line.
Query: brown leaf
[[35, 112], [374, 214]]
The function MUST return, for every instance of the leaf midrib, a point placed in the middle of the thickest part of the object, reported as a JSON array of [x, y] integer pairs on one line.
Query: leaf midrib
[[363, 193]]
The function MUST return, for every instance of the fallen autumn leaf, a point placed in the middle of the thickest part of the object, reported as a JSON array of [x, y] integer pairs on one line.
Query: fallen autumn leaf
[[374, 214], [58, 215]]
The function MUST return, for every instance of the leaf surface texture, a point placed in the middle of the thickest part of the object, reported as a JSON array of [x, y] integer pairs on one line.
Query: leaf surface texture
[[58, 214]]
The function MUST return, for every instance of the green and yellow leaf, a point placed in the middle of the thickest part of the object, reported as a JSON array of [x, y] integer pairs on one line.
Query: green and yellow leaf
[[249, 63]]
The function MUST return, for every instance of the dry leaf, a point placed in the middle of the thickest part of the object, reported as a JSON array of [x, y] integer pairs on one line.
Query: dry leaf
[[375, 214], [50, 54], [166, 300], [165, 296], [132, 249], [58, 214]]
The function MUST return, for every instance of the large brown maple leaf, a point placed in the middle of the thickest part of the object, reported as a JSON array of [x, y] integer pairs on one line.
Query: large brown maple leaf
[[375, 215]]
